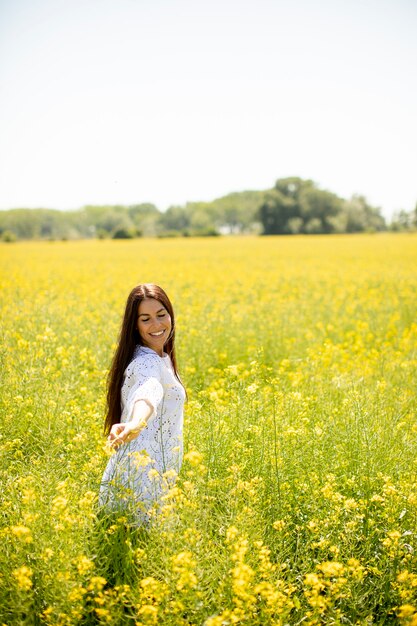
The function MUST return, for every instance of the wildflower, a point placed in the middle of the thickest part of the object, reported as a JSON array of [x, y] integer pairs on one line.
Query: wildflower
[[23, 533], [96, 583], [233, 369], [149, 613], [242, 575], [279, 525], [312, 580], [140, 459], [184, 564], [28, 496], [88, 499], [77, 594], [23, 577], [170, 475], [193, 457], [153, 589], [406, 610], [83, 564], [59, 504], [377, 498], [103, 614], [231, 533], [47, 554], [331, 568]]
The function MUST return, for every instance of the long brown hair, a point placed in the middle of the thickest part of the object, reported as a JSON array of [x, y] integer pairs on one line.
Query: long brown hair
[[129, 338]]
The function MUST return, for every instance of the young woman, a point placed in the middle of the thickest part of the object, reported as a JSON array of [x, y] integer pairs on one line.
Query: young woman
[[145, 401]]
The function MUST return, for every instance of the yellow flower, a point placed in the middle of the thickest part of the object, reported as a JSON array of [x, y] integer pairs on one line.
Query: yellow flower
[[231, 534], [96, 583], [149, 613], [23, 533], [59, 505], [184, 564], [406, 610], [279, 524], [140, 459], [193, 457], [23, 577], [170, 475], [312, 580], [83, 564], [331, 568], [103, 613]]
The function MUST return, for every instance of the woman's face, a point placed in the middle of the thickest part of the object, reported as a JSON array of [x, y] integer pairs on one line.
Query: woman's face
[[154, 324]]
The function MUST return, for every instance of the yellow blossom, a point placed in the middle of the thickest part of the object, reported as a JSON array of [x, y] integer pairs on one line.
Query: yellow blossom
[[23, 533], [193, 457], [279, 525], [23, 576]]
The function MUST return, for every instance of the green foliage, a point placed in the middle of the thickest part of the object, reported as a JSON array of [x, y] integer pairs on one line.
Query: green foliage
[[126, 233], [298, 206], [8, 236], [404, 221], [293, 206]]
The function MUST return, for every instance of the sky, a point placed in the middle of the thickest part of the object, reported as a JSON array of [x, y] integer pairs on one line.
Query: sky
[[170, 101]]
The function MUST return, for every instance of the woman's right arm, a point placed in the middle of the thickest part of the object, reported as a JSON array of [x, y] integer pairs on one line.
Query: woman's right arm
[[125, 432]]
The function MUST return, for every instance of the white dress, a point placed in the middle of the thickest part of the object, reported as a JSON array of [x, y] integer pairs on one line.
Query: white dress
[[141, 471]]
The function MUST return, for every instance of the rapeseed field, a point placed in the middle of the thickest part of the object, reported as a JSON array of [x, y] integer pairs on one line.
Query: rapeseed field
[[297, 499]]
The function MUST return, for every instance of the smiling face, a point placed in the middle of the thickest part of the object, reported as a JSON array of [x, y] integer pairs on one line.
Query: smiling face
[[154, 324]]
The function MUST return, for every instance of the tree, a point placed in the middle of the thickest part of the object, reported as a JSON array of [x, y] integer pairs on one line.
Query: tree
[[277, 212], [401, 221], [300, 206], [361, 216], [318, 208], [175, 218], [238, 212]]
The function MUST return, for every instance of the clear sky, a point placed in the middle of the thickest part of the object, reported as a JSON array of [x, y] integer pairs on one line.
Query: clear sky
[[169, 101]]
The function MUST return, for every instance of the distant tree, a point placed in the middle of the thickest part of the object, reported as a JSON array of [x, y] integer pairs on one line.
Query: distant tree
[[293, 206], [8, 236], [175, 218], [108, 218], [281, 211], [361, 216], [145, 218], [277, 212], [238, 212], [126, 233], [292, 186], [295, 225], [318, 208], [138, 213], [402, 221], [299, 206]]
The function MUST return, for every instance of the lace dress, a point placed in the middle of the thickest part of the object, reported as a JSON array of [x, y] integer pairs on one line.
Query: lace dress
[[141, 471]]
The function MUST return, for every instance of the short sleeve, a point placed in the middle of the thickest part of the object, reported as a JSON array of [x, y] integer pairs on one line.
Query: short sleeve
[[143, 377]]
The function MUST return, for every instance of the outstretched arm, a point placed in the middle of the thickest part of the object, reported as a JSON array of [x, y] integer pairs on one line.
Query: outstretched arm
[[125, 432]]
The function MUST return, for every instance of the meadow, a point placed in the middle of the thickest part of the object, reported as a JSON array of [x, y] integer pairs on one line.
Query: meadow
[[297, 499]]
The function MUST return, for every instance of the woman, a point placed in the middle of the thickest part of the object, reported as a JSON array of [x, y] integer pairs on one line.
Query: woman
[[145, 401]]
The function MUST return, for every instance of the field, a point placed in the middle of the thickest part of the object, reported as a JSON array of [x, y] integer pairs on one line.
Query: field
[[297, 500]]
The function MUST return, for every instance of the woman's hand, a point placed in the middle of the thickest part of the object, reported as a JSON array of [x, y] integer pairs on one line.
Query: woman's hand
[[123, 433]]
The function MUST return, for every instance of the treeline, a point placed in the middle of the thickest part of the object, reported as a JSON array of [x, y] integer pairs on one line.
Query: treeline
[[234, 213], [293, 206]]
